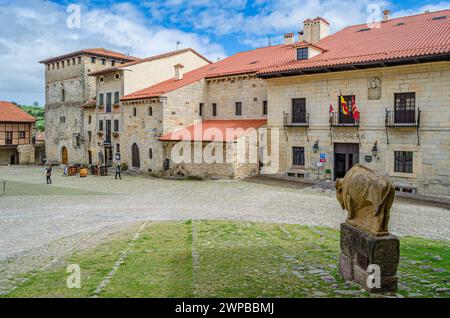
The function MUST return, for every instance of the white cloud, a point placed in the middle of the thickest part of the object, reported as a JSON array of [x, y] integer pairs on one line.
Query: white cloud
[[34, 30]]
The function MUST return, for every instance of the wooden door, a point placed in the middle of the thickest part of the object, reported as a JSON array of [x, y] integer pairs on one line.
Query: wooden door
[[64, 156], [135, 159]]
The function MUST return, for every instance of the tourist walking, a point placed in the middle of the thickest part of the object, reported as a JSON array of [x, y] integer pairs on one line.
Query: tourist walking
[[48, 173], [118, 169]]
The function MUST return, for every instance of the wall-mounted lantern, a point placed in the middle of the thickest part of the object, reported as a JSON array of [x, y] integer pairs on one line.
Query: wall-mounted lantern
[[375, 149], [316, 146]]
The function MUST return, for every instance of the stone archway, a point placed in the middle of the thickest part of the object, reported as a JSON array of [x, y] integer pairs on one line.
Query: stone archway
[[64, 156], [135, 158]]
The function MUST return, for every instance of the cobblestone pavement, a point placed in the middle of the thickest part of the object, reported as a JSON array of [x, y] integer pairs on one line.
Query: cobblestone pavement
[[31, 223]]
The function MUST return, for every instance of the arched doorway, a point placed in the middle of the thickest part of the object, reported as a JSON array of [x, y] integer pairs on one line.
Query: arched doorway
[[135, 159], [64, 156]]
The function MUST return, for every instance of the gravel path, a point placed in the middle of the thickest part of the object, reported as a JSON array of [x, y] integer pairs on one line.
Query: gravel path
[[31, 223]]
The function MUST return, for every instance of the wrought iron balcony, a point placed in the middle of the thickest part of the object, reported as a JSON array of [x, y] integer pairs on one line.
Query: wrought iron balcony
[[341, 120], [402, 118], [296, 119]]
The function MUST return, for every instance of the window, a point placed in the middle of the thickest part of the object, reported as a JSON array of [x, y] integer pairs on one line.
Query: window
[[89, 136], [103, 61], [403, 161], [238, 109], [405, 106], [150, 111], [57, 65], [117, 76], [68, 62], [100, 125], [108, 102], [62, 119], [113, 63], [101, 100], [8, 137], [116, 125], [89, 119], [76, 140], [302, 53], [62, 64], [63, 95], [298, 156], [264, 107], [150, 153], [21, 134], [299, 110], [134, 112], [48, 66], [214, 109], [79, 60], [73, 61], [116, 98], [118, 148], [200, 109], [93, 60]]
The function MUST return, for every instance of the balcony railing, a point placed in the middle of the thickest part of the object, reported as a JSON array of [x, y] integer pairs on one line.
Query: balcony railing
[[402, 118], [341, 120], [296, 119]]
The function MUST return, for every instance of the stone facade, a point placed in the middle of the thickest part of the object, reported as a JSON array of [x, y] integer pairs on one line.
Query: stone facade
[[67, 87], [374, 90], [133, 123]]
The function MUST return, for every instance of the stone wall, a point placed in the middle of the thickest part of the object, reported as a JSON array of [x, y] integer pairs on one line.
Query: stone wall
[[430, 82], [225, 92]]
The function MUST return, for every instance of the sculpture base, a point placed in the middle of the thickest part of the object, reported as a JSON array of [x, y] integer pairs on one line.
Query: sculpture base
[[360, 249]]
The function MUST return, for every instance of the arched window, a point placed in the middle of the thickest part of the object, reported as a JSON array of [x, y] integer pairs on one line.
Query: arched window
[[150, 153], [134, 112], [150, 111]]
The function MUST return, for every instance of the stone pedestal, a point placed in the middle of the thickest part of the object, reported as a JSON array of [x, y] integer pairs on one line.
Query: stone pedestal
[[360, 249]]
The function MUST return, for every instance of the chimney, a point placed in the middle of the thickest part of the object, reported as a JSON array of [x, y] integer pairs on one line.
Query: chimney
[[386, 15], [289, 38], [178, 71], [301, 38], [315, 30]]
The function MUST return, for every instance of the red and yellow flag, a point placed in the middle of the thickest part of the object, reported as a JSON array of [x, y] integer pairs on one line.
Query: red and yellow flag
[[344, 106]]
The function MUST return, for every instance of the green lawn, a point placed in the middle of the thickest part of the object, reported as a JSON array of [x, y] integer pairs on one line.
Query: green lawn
[[233, 259], [14, 188]]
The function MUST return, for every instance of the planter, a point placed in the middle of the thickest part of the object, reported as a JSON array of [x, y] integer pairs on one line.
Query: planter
[[83, 172], [73, 170]]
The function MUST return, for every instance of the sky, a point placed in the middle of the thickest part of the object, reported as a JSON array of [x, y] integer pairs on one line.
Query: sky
[[32, 30]]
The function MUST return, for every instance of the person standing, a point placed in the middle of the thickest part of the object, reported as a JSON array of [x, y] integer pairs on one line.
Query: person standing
[[48, 173], [118, 169]]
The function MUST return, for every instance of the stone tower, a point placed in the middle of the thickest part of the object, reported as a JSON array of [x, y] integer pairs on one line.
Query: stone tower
[[67, 87]]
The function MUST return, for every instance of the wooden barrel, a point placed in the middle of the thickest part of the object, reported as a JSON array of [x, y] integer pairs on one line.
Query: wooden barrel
[[83, 172], [73, 170]]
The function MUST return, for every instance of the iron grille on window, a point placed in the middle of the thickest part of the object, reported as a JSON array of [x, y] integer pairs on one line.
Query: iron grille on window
[[298, 156], [403, 161]]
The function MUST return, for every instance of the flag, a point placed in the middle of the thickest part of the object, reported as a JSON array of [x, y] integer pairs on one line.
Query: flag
[[355, 108], [331, 108], [344, 106]]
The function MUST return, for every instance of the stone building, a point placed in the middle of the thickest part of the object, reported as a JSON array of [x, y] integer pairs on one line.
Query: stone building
[[105, 123], [16, 132], [67, 87], [223, 95], [397, 75]]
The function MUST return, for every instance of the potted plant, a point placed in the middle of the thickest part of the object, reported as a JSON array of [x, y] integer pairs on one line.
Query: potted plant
[[328, 174], [115, 134], [100, 133]]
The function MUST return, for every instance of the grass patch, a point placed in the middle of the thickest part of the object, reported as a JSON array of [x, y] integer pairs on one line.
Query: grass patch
[[15, 188], [235, 259]]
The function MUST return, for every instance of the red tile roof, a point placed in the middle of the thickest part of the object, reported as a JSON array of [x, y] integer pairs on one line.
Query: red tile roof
[[215, 130], [148, 59], [420, 35], [11, 113], [411, 36], [241, 63], [100, 52]]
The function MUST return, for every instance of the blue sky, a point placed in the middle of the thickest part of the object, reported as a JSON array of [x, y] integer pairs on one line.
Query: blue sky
[[31, 30]]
